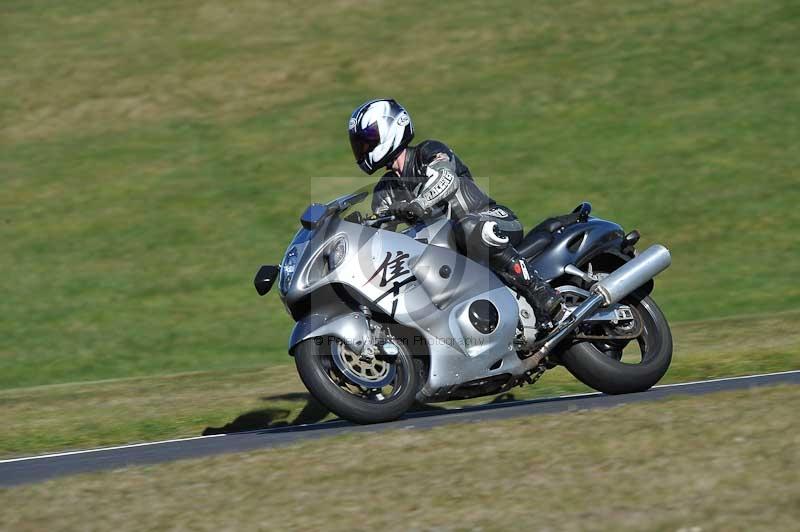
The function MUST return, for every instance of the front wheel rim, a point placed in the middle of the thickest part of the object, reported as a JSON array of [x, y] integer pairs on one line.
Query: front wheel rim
[[385, 383]]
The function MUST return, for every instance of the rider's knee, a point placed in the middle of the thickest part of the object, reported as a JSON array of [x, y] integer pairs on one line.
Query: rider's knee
[[492, 236]]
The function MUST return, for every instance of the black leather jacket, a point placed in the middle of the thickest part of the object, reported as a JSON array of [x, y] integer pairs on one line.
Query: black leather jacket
[[434, 177]]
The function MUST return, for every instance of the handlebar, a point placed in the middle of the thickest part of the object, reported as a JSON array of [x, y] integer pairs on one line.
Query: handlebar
[[379, 220]]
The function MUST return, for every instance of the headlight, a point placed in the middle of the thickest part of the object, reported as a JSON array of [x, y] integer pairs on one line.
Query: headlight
[[336, 253], [327, 259], [288, 266]]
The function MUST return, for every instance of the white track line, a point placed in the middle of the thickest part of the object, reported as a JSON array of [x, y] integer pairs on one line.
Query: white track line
[[676, 384], [672, 385], [146, 444], [99, 449]]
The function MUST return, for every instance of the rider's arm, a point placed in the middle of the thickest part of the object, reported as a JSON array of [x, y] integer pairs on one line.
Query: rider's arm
[[442, 180], [387, 191]]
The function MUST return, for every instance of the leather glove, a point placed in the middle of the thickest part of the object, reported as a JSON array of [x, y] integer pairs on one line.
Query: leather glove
[[407, 210]]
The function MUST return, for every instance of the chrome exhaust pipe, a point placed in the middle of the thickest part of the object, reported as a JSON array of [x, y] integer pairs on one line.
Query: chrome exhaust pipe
[[608, 291], [633, 274]]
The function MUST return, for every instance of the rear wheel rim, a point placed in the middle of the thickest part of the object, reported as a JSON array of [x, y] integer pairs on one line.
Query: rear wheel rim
[[648, 341]]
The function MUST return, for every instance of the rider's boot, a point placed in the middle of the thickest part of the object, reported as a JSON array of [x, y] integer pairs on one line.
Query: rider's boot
[[547, 303]]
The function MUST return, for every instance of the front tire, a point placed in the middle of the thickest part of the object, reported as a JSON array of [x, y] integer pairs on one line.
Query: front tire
[[604, 370], [355, 402]]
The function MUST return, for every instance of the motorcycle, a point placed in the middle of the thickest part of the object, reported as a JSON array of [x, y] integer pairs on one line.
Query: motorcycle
[[389, 313]]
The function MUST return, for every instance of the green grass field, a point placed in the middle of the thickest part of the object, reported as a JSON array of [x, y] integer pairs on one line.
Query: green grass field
[[154, 154]]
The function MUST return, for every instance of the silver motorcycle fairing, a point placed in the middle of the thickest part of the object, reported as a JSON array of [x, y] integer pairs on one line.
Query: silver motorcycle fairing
[[351, 328], [438, 232], [486, 355], [401, 275]]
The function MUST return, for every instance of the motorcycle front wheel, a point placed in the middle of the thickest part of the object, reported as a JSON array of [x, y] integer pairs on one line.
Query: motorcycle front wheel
[[360, 389]]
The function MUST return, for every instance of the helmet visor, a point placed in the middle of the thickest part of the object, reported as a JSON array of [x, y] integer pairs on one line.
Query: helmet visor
[[363, 141]]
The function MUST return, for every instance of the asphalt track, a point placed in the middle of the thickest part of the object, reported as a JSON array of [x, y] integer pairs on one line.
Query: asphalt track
[[37, 468]]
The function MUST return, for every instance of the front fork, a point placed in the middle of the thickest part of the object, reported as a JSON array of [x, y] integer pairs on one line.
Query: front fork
[[381, 343]]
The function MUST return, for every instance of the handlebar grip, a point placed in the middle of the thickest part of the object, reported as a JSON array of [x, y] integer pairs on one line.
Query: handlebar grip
[[381, 219]]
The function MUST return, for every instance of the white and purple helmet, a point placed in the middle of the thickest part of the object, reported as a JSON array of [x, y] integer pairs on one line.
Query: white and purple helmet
[[379, 130]]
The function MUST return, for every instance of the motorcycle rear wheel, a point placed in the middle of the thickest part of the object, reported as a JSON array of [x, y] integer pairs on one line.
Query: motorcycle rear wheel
[[347, 399], [606, 372]]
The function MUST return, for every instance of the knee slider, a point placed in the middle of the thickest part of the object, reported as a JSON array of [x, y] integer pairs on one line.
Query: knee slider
[[492, 236]]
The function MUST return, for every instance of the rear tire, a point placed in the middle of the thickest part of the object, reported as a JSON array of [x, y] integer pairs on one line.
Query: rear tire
[[313, 359], [607, 374]]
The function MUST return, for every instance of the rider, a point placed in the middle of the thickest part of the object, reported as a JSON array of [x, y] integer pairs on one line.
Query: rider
[[429, 175]]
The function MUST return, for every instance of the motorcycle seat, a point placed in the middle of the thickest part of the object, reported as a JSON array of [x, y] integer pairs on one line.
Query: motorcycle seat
[[551, 225], [534, 242], [541, 236]]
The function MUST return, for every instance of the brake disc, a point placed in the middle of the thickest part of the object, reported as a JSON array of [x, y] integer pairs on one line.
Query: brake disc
[[366, 371]]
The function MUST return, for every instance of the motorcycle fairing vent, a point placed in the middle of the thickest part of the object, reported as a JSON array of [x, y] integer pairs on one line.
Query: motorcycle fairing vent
[[483, 316]]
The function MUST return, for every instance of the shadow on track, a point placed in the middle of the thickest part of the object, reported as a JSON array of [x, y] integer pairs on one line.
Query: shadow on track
[[312, 413], [270, 418]]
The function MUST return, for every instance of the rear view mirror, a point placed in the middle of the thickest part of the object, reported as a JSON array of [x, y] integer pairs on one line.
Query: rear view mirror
[[265, 278]]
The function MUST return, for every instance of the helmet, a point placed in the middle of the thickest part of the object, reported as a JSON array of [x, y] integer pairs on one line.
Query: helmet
[[379, 130]]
